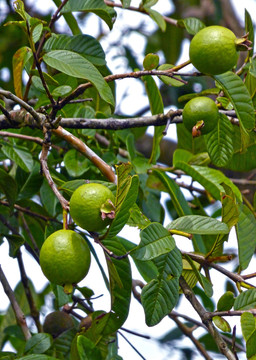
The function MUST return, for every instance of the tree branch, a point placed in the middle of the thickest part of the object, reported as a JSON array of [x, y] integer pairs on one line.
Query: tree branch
[[79, 145], [20, 317], [222, 346], [189, 333]]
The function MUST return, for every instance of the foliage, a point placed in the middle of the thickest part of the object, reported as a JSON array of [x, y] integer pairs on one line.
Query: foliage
[[61, 127]]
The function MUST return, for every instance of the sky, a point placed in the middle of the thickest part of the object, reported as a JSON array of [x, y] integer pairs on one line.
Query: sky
[[150, 349]]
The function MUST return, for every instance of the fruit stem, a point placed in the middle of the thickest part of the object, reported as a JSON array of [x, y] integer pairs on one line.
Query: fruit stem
[[65, 219]]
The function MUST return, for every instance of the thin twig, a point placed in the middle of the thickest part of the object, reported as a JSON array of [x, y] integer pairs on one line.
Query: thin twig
[[29, 212], [45, 169], [19, 101], [134, 348], [135, 333], [33, 309], [37, 140], [26, 227], [20, 317]]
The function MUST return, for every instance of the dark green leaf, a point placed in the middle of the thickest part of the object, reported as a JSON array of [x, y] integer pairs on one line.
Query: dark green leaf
[[220, 142], [85, 45], [8, 186], [238, 94], [38, 343], [209, 178], [245, 231], [87, 349], [127, 191], [76, 164], [98, 7], [160, 295], [19, 155], [155, 241], [15, 242]]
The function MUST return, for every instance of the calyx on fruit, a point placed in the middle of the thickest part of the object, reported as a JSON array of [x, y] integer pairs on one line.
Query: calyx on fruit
[[92, 206], [213, 50], [200, 115], [57, 322]]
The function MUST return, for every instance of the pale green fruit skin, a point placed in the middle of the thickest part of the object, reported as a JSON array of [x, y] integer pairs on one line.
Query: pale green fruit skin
[[200, 108], [65, 257], [213, 50], [85, 205]]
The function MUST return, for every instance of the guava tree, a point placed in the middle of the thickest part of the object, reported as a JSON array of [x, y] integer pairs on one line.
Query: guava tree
[[62, 128]]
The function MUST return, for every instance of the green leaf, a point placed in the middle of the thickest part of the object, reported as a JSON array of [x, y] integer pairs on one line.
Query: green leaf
[[19, 155], [221, 323], [204, 282], [160, 295], [229, 212], [169, 80], [245, 231], [97, 7], [48, 198], [247, 324], [157, 17], [180, 204], [82, 44], [75, 163], [61, 91], [76, 65], [137, 218], [220, 142], [246, 300], [127, 191], [147, 269], [251, 346], [155, 241], [197, 224], [156, 107], [210, 179], [87, 349], [249, 28], [8, 186], [15, 242], [191, 24], [226, 301], [181, 155], [238, 94], [38, 343]]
